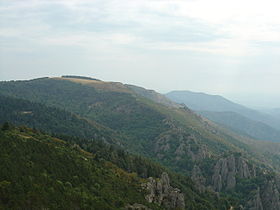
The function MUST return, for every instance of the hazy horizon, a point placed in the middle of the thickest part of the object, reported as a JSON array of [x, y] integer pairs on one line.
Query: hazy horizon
[[223, 48]]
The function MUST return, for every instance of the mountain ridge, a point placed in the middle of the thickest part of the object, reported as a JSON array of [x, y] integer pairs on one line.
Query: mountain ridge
[[218, 105]]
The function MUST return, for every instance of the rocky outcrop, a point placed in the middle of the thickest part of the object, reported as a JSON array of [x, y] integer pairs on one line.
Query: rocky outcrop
[[265, 198], [227, 170], [160, 192], [185, 145], [255, 203], [198, 179], [243, 169], [270, 196]]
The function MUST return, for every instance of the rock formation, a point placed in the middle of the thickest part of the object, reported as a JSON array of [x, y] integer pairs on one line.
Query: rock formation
[[198, 179], [227, 170], [270, 196], [160, 192], [255, 203], [187, 145]]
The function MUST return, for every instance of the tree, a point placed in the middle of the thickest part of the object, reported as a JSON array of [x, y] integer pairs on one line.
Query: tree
[[6, 126]]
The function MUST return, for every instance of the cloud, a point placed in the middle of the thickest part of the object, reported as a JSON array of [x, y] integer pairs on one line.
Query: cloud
[[213, 45], [229, 28]]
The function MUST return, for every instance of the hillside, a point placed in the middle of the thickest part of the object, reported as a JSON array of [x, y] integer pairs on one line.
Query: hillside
[[274, 112], [243, 125], [214, 108], [215, 103], [41, 171], [53, 120], [216, 159], [205, 102]]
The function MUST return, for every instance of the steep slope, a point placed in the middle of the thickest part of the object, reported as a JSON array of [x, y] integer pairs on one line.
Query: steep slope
[[215, 103], [243, 125], [52, 120], [40, 171], [216, 159], [111, 104]]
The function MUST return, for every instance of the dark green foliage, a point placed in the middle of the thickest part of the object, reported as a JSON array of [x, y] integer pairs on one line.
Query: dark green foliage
[[117, 110], [145, 168], [38, 172], [51, 119], [5, 126]]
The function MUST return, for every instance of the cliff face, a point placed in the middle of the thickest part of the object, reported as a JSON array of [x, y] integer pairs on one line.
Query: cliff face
[[227, 170], [160, 192], [185, 145], [265, 198], [198, 179], [224, 175], [255, 203], [270, 195]]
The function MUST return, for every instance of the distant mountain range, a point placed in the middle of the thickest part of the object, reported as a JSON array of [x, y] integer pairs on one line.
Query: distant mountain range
[[274, 112], [245, 121]]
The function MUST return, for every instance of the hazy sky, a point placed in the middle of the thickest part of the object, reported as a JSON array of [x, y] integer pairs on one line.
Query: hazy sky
[[222, 47]]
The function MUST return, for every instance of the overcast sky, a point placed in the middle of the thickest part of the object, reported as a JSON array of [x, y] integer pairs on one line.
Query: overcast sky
[[230, 48]]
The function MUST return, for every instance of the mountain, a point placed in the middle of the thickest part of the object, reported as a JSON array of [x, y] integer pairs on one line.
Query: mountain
[[274, 112], [205, 102], [243, 125], [216, 159], [215, 103], [265, 125], [52, 120]]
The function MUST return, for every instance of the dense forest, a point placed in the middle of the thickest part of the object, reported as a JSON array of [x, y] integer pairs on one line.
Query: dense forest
[[40, 171]]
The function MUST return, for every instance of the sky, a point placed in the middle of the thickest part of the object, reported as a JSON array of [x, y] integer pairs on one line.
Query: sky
[[223, 47]]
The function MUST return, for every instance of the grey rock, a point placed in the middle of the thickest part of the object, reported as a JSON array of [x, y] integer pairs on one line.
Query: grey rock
[[160, 192], [270, 196], [226, 171], [198, 179], [187, 145], [255, 203], [243, 169]]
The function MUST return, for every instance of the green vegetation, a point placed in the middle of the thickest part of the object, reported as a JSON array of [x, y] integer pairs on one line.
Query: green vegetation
[[52, 120], [119, 111], [38, 172], [99, 117]]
